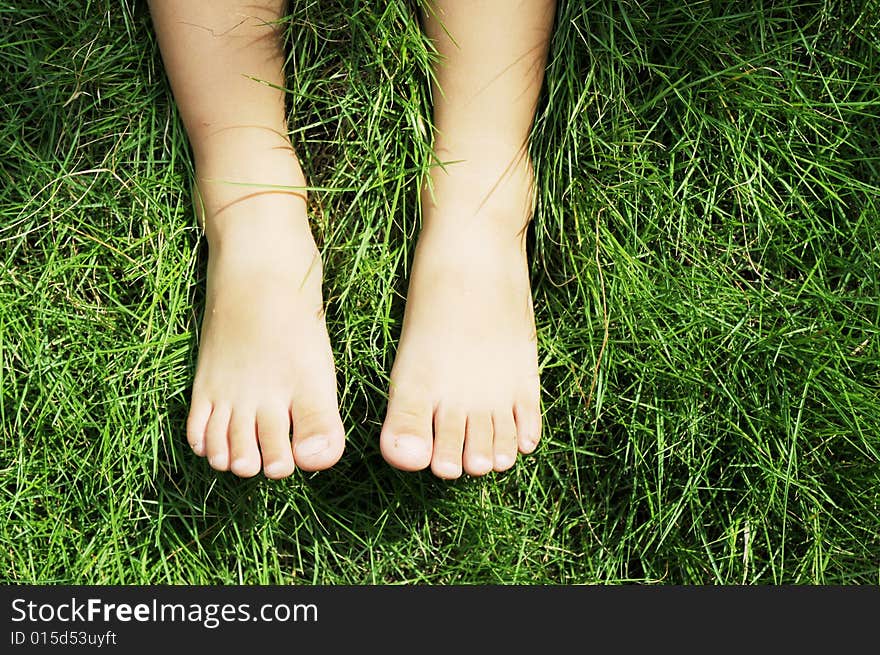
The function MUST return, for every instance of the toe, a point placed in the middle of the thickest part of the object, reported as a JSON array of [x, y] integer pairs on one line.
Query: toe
[[273, 433], [527, 412], [244, 452], [318, 435], [478, 456], [217, 438], [504, 443], [407, 434], [197, 422], [449, 426]]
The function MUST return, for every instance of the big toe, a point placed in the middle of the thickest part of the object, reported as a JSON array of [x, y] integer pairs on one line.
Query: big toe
[[318, 436], [407, 435]]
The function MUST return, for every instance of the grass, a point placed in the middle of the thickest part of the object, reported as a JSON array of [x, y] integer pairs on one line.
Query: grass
[[705, 267]]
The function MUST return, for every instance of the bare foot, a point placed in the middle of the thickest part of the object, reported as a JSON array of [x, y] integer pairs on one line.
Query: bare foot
[[265, 366], [465, 392]]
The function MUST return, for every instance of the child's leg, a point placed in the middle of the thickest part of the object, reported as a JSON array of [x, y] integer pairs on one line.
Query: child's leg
[[265, 365], [465, 392]]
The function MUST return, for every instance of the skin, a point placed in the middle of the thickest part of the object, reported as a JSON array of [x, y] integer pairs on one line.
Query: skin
[[264, 395], [465, 391]]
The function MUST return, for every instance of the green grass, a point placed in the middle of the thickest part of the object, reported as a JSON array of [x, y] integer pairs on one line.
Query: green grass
[[706, 273]]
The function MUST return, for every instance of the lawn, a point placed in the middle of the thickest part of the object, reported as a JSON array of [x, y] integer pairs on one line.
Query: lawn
[[706, 274]]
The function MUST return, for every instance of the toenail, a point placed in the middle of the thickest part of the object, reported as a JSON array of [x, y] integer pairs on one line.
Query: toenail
[[274, 469], [217, 461], [447, 470], [411, 444], [241, 465], [503, 462], [529, 444], [481, 464], [312, 446]]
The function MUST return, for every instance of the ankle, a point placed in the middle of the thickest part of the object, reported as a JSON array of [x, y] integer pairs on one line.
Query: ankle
[[232, 159], [224, 142], [279, 259], [249, 181], [494, 185]]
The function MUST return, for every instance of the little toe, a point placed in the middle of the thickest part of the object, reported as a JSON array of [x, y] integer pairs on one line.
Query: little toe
[[407, 434], [217, 438], [244, 452], [273, 433], [449, 427], [318, 436], [527, 412], [504, 444], [197, 422], [478, 456]]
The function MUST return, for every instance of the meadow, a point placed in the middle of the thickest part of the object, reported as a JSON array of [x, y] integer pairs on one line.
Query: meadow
[[705, 262]]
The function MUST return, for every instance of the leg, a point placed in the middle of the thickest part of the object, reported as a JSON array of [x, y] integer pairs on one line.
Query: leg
[[265, 365], [465, 393]]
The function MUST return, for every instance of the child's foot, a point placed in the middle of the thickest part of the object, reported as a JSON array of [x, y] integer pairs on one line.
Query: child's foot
[[265, 365], [465, 393]]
